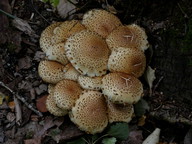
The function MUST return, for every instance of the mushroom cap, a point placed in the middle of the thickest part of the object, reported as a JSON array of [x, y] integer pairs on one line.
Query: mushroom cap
[[119, 113], [53, 108], [90, 112], [46, 35], [100, 21], [121, 88], [56, 52], [128, 36], [66, 93], [51, 71], [71, 73], [127, 60], [90, 83], [88, 53], [51, 88], [66, 29]]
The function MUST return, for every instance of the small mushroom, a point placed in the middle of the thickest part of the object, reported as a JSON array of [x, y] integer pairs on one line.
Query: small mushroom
[[66, 93], [128, 36], [119, 113], [50, 71], [127, 60], [90, 112], [53, 108], [88, 53], [65, 30], [90, 83], [71, 73], [121, 88], [100, 21]]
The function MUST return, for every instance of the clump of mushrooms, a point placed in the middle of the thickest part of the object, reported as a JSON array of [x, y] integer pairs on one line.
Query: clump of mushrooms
[[92, 67]]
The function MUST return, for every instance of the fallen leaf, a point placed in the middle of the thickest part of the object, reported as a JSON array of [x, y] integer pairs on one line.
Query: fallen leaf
[[150, 77], [24, 63], [142, 120], [41, 89], [188, 137], [66, 8], [135, 137], [11, 105], [39, 55], [10, 116], [41, 104], [32, 141], [111, 140], [153, 138], [2, 97]]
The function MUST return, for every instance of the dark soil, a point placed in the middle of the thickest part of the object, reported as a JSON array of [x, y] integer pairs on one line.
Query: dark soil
[[169, 28]]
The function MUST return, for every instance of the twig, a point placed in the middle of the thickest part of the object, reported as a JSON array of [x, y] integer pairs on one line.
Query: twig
[[18, 111], [8, 14], [185, 15], [22, 99], [161, 78]]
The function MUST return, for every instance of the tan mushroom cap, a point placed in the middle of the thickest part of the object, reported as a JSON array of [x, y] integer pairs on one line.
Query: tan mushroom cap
[[90, 83], [121, 88], [90, 112], [100, 21], [50, 71], [46, 35], [71, 73], [66, 29], [51, 88], [88, 53], [128, 36], [56, 52], [52, 107], [66, 93], [119, 113], [127, 60]]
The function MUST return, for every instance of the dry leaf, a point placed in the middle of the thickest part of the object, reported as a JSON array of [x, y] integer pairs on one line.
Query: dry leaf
[[33, 141], [150, 77], [40, 104], [11, 105], [153, 138], [142, 120], [135, 137], [66, 8], [2, 96]]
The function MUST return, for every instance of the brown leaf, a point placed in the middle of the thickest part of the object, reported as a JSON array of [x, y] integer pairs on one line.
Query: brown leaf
[[40, 104], [135, 137], [33, 141], [24, 63]]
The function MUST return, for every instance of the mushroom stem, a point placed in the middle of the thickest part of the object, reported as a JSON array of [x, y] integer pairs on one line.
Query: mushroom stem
[[22, 99]]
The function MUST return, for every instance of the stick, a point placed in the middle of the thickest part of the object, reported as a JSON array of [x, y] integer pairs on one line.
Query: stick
[[22, 99]]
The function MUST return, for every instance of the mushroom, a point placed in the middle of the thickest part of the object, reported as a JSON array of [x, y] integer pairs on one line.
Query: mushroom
[[90, 83], [119, 113], [88, 53], [127, 60], [66, 93], [128, 36], [71, 73], [50, 71], [52, 107], [121, 88], [66, 29], [100, 21], [90, 112]]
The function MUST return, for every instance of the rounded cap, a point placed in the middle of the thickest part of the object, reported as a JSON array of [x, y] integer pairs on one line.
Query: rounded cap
[[50, 71], [51, 88], [119, 113], [101, 22], [128, 36], [46, 35], [65, 30], [127, 60], [71, 73], [90, 112], [56, 52], [122, 88], [90, 83], [88, 53], [66, 93], [52, 107]]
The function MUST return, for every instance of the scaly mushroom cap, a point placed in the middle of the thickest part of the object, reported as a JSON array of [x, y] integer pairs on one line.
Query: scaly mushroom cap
[[66, 29], [88, 53], [90, 83], [101, 22], [53, 108], [51, 88], [90, 112], [119, 113], [127, 60], [71, 73], [46, 35], [50, 71], [66, 93], [128, 36], [57, 53], [121, 88]]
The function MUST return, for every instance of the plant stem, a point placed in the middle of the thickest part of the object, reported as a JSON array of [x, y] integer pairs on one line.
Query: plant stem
[[7, 14]]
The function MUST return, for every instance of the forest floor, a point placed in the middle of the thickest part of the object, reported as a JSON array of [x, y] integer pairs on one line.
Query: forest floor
[[20, 55]]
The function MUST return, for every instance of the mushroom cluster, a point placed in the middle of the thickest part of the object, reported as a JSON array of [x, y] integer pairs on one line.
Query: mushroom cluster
[[92, 67]]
